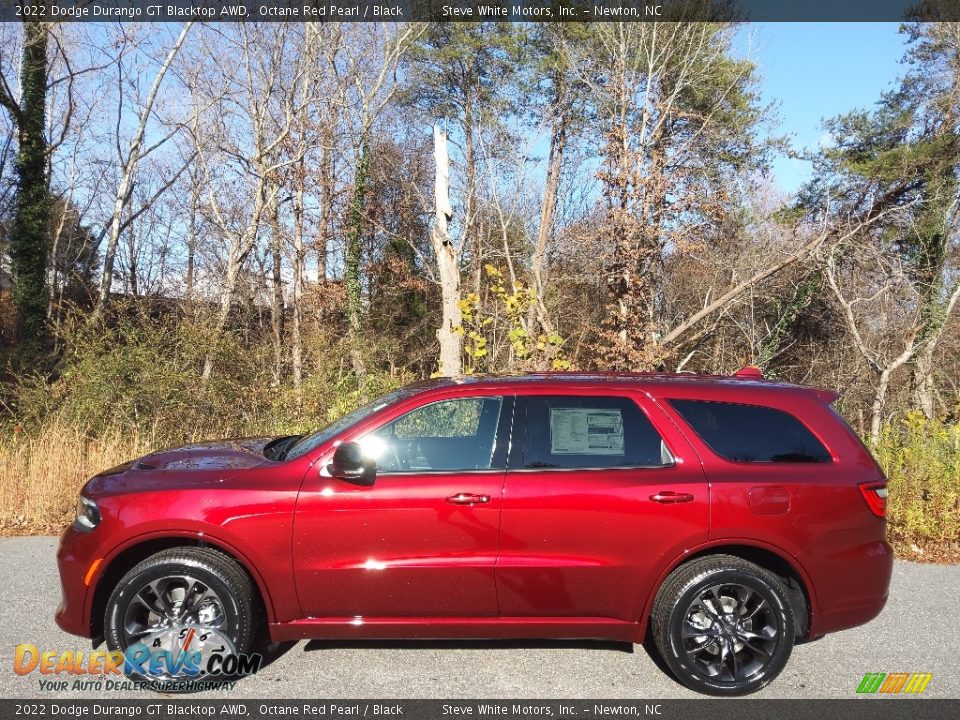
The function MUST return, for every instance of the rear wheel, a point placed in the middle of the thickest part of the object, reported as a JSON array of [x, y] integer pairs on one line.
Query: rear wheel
[[723, 625]]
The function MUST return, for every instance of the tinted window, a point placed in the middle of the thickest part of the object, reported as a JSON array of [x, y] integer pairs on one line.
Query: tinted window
[[589, 432], [453, 419], [314, 440], [748, 433], [449, 435]]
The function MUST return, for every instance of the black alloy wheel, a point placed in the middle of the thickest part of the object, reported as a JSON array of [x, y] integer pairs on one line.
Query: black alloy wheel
[[723, 625]]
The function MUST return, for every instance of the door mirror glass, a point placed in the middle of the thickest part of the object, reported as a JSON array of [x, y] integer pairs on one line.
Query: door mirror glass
[[350, 463]]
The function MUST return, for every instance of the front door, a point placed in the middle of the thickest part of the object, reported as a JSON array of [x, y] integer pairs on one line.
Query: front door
[[422, 541], [596, 497]]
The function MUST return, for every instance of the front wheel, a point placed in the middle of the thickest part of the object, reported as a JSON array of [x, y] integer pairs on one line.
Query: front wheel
[[182, 599], [723, 625]]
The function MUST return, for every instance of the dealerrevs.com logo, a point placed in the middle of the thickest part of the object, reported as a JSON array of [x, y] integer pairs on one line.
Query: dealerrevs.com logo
[[894, 683], [186, 658]]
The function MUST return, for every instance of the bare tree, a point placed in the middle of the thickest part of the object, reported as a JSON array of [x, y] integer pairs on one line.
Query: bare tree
[[885, 339], [256, 102], [365, 67], [130, 159], [448, 261]]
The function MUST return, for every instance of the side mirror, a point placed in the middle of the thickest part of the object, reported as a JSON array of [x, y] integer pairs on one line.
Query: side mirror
[[349, 463]]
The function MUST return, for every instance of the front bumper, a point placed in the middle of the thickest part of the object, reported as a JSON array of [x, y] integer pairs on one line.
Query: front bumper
[[76, 555]]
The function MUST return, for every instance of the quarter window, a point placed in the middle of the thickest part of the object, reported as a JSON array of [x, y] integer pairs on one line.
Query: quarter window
[[568, 432], [750, 433], [450, 435]]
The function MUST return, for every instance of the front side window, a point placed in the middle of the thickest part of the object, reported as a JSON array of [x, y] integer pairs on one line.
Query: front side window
[[450, 435], [750, 433], [306, 443], [569, 432]]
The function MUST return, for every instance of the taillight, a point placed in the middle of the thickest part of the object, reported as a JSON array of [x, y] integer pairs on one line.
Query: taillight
[[876, 496]]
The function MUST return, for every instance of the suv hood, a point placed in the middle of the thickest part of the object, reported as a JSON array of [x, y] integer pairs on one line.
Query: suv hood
[[238, 454], [182, 466]]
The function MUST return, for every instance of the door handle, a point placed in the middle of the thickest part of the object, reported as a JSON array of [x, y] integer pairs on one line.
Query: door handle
[[468, 499], [668, 497]]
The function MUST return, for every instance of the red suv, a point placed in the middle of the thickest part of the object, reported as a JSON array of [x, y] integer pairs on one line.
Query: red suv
[[730, 517]]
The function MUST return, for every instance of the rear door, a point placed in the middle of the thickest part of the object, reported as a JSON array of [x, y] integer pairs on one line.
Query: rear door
[[601, 491]]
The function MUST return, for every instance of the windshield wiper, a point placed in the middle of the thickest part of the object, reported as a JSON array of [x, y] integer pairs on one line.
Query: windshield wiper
[[277, 448]]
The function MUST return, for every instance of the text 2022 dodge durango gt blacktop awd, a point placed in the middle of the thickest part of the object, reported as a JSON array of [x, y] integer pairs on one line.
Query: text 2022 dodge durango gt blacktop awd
[[733, 516]]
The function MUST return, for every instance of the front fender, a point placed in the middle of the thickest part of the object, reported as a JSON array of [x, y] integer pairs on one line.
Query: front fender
[[252, 526]]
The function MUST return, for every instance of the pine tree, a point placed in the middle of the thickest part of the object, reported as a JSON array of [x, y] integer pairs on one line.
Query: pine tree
[[903, 157]]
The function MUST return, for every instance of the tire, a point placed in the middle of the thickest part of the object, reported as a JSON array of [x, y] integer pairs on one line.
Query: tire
[[747, 624], [224, 590]]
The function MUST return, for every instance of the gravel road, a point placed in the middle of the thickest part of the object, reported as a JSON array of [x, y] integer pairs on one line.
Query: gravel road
[[918, 631]]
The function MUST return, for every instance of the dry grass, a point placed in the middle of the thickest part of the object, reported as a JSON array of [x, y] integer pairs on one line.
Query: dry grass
[[41, 473]]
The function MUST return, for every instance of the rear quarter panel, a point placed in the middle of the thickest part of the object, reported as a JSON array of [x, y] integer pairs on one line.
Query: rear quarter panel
[[811, 512]]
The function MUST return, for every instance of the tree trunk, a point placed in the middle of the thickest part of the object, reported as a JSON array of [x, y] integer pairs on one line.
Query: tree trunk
[[110, 253], [326, 205], [471, 233], [923, 385], [879, 401], [234, 265], [30, 237], [57, 278], [558, 141], [276, 285], [296, 340], [352, 260], [448, 262], [192, 245], [240, 248]]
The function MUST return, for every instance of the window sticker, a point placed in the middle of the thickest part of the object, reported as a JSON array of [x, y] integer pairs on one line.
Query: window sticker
[[586, 431]]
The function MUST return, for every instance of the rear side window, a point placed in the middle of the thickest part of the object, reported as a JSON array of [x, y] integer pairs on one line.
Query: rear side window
[[750, 433], [569, 432]]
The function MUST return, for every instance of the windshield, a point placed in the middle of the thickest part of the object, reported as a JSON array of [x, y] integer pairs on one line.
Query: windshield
[[315, 439]]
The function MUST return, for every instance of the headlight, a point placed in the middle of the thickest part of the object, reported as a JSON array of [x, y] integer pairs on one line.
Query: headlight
[[88, 514]]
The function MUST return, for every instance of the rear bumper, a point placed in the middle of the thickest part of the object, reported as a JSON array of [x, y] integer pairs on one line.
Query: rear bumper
[[829, 621], [854, 590]]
